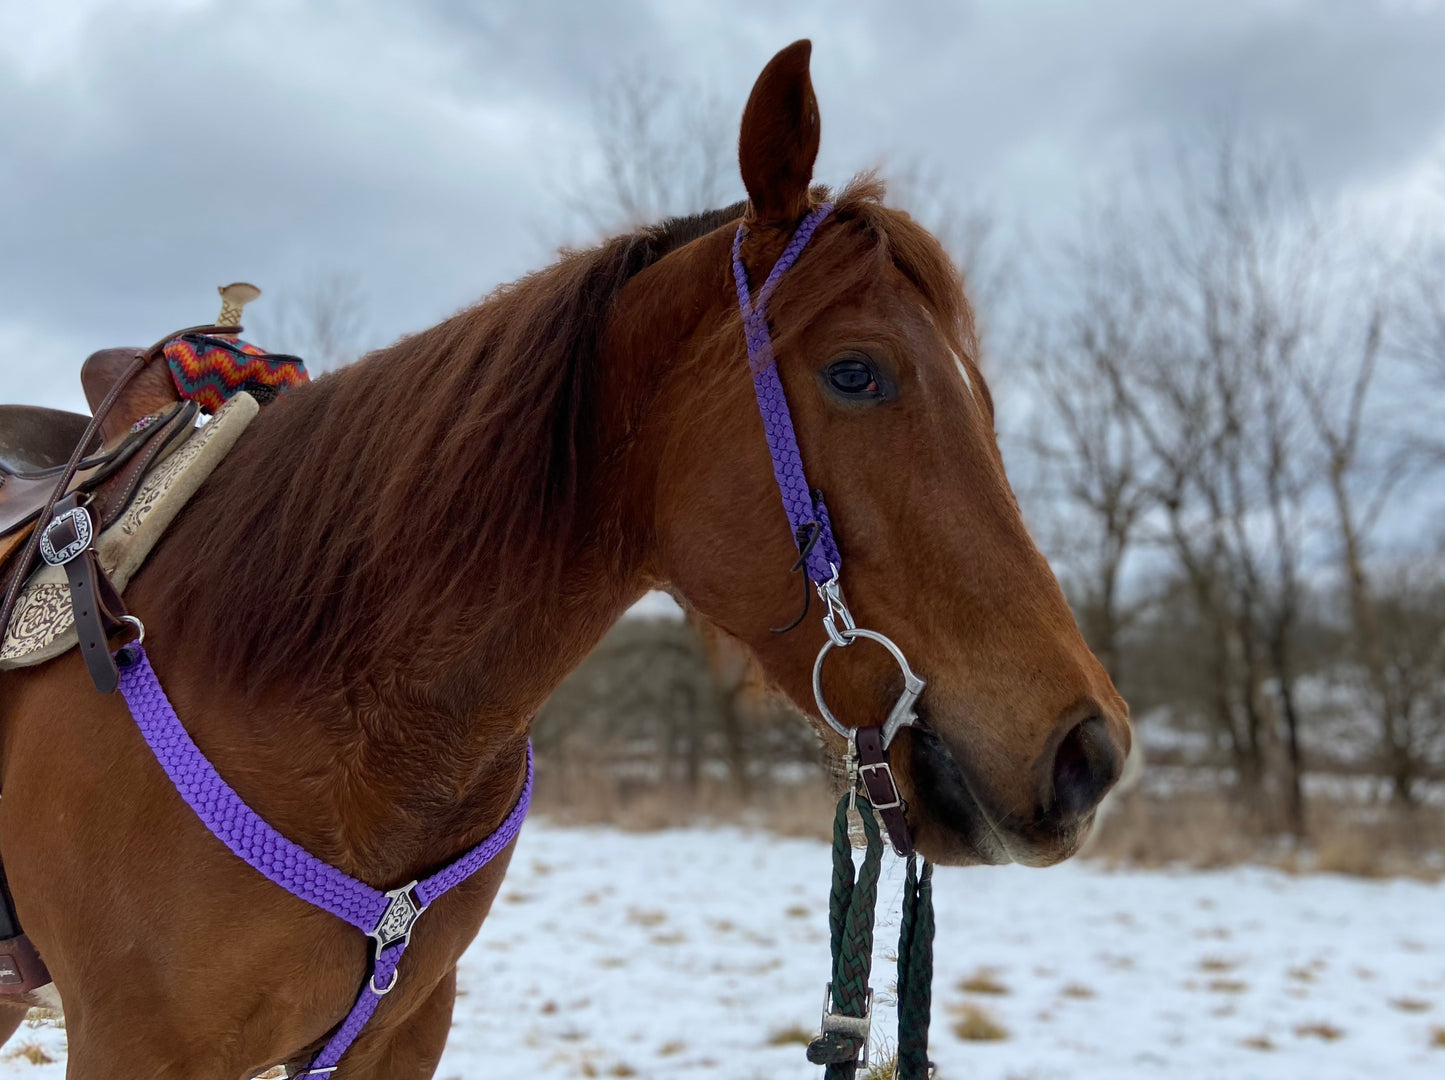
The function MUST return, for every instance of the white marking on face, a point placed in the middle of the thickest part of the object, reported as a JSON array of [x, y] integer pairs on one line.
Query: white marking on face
[[963, 371], [957, 360]]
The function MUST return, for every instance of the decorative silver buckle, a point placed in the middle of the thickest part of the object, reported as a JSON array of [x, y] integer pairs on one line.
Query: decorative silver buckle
[[395, 927], [79, 519], [399, 918], [849, 1027]]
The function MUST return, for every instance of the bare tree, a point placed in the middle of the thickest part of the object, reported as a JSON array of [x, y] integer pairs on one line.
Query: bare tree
[[969, 231], [1174, 420], [1087, 441], [323, 321], [1360, 479], [1243, 246], [665, 147]]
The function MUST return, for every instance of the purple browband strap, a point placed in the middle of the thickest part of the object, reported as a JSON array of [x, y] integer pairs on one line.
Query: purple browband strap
[[388, 917], [805, 508]]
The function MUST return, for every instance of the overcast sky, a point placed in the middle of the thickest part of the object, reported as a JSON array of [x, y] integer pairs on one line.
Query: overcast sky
[[151, 151]]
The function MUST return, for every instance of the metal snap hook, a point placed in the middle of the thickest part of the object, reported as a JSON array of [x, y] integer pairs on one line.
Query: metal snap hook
[[831, 593]]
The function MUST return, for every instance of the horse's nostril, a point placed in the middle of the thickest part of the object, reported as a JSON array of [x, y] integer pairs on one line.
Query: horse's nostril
[[1086, 765]]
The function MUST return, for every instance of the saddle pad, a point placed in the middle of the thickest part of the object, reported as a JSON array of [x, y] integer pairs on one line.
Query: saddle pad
[[43, 626], [209, 370]]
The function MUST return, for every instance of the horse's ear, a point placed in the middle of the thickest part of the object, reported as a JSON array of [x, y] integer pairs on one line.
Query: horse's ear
[[779, 140]]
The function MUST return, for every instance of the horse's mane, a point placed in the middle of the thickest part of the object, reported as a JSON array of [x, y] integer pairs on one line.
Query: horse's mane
[[294, 560]]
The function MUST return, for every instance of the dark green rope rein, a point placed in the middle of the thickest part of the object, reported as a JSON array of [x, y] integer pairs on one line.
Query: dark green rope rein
[[851, 903]]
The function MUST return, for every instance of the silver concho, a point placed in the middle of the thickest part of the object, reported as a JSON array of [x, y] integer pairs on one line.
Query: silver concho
[[79, 518]]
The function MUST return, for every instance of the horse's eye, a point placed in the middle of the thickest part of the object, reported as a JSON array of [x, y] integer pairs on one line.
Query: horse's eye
[[852, 377]]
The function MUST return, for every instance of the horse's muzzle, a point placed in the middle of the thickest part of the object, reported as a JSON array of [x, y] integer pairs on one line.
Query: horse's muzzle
[[959, 819]]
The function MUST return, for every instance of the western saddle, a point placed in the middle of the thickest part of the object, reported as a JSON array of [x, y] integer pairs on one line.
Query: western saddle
[[65, 478]]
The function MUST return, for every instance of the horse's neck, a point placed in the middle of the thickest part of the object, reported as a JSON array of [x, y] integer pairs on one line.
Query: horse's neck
[[413, 749]]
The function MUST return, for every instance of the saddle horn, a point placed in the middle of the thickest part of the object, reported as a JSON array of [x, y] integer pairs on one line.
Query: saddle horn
[[234, 297]]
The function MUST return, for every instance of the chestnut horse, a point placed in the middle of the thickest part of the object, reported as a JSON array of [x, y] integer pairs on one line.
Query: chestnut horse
[[362, 610]]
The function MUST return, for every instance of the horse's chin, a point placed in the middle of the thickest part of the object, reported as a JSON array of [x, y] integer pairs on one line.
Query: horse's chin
[[952, 827]]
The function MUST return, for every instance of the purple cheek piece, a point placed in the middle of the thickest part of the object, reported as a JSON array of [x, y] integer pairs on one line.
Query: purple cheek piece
[[387, 917], [805, 508]]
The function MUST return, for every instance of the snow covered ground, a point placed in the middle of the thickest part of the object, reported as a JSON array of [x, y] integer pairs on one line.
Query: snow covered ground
[[700, 953]]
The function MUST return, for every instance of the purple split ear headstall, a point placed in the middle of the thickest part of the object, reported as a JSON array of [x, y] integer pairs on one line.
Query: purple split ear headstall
[[806, 511], [817, 549]]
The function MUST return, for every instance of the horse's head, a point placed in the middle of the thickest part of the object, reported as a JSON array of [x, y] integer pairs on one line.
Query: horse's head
[[1021, 731]]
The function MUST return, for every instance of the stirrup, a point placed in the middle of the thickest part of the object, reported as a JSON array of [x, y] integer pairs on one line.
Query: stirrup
[[21, 969]]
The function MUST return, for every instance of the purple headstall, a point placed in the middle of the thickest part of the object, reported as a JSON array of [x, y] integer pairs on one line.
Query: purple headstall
[[806, 511], [818, 550]]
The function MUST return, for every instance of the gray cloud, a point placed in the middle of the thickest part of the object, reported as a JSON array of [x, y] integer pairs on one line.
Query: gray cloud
[[149, 152]]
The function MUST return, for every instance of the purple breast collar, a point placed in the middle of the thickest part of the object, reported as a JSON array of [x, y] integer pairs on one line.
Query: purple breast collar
[[388, 918]]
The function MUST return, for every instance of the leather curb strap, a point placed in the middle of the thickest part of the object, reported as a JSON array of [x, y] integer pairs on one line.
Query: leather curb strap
[[875, 777]]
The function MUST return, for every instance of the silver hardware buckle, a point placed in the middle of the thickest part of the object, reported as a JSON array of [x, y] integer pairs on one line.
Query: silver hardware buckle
[[886, 770], [79, 518], [395, 927], [399, 918], [849, 1027]]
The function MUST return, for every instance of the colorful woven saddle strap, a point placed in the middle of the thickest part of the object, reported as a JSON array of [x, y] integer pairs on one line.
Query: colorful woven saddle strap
[[210, 370]]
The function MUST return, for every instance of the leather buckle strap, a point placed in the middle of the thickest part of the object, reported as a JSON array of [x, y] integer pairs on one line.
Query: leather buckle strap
[[68, 534], [881, 788], [99, 611], [875, 777]]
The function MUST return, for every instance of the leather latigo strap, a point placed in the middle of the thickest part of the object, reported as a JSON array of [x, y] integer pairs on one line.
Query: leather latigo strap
[[112, 497], [878, 783], [98, 607]]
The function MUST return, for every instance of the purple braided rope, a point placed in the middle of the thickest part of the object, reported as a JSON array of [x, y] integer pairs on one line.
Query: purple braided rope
[[287, 864], [366, 1003], [805, 514], [454, 873], [426, 891], [225, 813]]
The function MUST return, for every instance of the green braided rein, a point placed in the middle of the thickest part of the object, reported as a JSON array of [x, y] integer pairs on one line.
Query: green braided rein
[[851, 904]]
